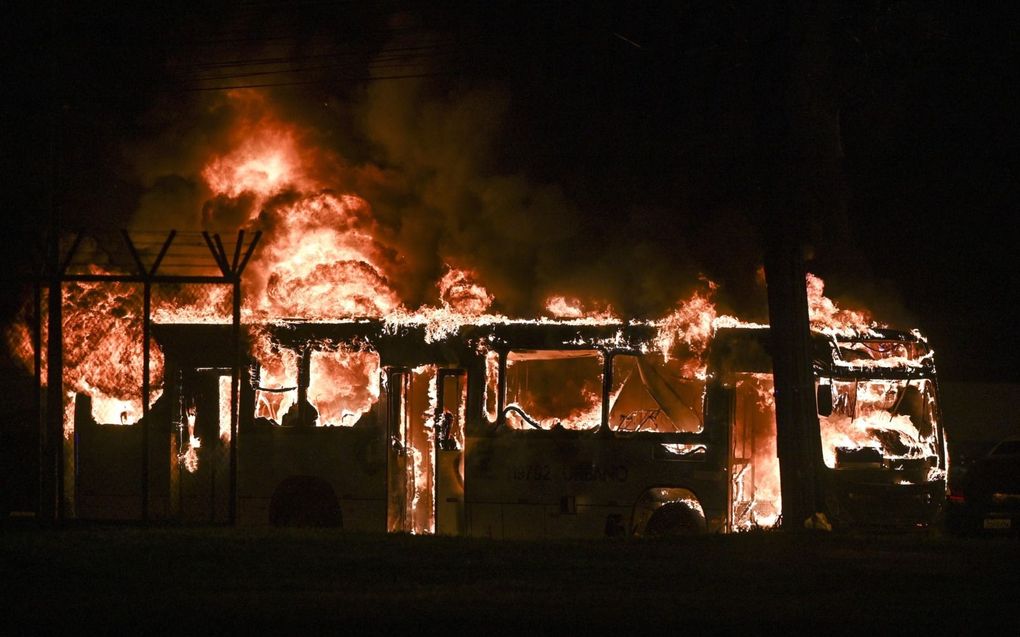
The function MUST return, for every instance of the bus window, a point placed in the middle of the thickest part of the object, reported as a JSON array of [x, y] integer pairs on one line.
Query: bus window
[[651, 395], [277, 384], [452, 409], [492, 386], [344, 385], [554, 389]]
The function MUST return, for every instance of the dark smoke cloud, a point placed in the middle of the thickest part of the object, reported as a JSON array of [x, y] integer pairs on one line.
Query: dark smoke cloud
[[426, 157], [424, 163]]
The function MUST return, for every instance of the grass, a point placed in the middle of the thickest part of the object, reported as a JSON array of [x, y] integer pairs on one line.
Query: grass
[[183, 580]]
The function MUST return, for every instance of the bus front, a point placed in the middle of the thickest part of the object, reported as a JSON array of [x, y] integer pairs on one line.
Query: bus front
[[883, 445]]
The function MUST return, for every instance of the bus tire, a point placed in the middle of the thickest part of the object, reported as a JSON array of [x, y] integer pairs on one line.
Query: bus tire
[[675, 519], [305, 501]]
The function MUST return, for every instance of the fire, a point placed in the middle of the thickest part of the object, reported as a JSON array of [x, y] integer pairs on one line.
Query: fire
[[460, 292], [563, 308], [413, 502], [344, 384], [193, 303], [691, 324], [757, 498], [491, 386], [265, 158], [425, 489], [560, 307], [276, 380], [825, 315], [103, 350], [687, 331], [463, 300], [253, 171], [554, 390], [323, 257], [889, 417], [224, 411], [188, 457], [320, 261], [586, 417]]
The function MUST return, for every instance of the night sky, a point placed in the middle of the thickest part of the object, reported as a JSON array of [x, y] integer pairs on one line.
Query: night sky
[[643, 120]]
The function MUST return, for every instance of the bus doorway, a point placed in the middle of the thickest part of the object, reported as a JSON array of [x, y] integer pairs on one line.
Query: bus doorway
[[201, 436], [449, 453], [755, 496], [425, 416]]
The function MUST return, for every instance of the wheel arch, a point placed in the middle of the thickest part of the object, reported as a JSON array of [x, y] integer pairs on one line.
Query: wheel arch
[[305, 500], [655, 498]]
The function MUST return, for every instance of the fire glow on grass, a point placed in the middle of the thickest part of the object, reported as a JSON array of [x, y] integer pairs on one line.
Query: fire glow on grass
[[321, 259]]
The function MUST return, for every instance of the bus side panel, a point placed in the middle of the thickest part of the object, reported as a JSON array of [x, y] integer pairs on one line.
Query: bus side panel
[[109, 471], [351, 461], [570, 484]]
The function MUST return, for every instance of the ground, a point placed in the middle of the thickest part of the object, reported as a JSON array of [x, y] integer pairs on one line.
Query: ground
[[194, 580]]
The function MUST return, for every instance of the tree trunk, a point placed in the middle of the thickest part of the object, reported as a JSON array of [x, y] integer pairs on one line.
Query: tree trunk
[[802, 187]]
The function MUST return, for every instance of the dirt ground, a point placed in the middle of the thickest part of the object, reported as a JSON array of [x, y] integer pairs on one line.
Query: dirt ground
[[196, 580]]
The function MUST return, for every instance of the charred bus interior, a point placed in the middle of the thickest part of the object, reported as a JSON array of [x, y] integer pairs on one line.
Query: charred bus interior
[[883, 445]]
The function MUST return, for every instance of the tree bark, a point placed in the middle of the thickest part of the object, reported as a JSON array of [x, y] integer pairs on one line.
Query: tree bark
[[802, 190]]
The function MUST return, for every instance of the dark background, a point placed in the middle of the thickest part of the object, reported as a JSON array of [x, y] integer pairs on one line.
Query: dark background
[[643, 114]]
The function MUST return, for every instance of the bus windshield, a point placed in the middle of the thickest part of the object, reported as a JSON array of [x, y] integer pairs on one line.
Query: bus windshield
[[878, 422]]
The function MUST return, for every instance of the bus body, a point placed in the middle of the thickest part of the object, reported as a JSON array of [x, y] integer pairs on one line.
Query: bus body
[[528, 430]]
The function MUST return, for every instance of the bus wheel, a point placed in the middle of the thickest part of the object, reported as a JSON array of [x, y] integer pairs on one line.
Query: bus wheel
[[304, 501], [676, 518]]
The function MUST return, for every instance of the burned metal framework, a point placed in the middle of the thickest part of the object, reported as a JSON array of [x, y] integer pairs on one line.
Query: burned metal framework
[[231, 268]]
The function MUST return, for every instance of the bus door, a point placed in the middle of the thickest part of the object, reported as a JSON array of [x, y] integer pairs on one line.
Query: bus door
[[448, 426], [202, 439], [755, 498], [424, 407]]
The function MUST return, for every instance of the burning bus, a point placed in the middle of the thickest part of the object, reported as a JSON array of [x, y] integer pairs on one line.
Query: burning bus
[[522, 429], [346, 406]]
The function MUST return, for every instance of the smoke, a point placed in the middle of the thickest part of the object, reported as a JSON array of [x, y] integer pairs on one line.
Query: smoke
[[423, 167], [439, 201], [422, 160]]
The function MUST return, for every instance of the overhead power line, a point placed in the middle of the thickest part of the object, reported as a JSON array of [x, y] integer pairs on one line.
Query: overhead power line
[[323, 81]]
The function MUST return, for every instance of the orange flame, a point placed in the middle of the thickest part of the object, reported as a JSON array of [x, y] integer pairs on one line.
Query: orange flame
[[103, 350], [344, 384], [757, 496], [265, 158], [876, 414], [225, 383], [563, 308], [825, 315], [319, 263], [189, 457], [459, 291], [686, 333], [278, 370]]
